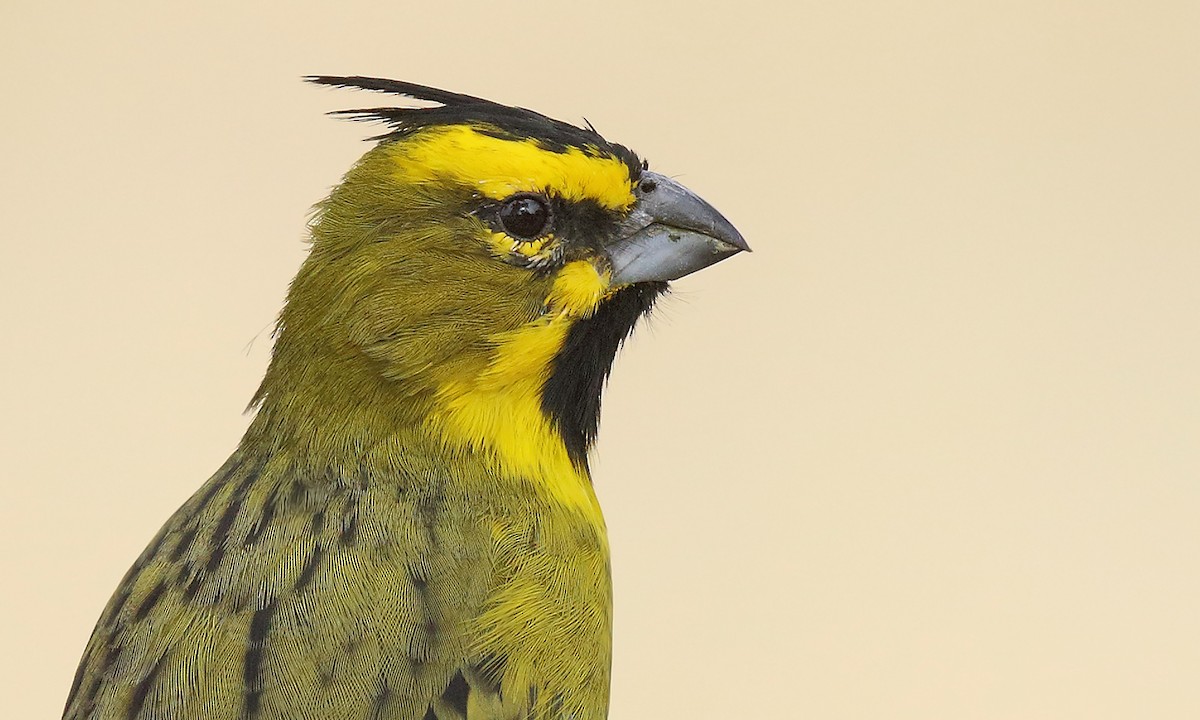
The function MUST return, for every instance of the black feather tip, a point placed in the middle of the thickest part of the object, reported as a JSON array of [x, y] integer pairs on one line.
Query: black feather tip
[[451, 108]]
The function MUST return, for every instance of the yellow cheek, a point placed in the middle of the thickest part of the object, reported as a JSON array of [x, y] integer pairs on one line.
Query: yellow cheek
[[578, 289]]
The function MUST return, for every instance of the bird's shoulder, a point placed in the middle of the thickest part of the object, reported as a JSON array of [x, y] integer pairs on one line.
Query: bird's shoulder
[[347, 580]]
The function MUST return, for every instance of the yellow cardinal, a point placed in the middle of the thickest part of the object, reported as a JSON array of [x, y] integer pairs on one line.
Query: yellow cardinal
[[408, 529]]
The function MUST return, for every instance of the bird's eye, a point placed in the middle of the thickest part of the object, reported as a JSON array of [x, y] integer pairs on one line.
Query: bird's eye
[[525, 217]]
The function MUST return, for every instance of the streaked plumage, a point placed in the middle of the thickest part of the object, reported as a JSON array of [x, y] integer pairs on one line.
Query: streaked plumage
[[408, 528]]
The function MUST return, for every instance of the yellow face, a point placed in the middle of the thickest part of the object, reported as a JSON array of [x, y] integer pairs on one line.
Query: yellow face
[[479, 268], [460, 260], [509, 184], [562, 182]]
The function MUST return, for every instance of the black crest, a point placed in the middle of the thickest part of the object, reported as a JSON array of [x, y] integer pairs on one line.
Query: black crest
[[456, 109]]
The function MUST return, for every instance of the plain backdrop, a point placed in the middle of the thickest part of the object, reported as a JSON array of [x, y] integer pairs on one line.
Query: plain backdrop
[[931, 451]]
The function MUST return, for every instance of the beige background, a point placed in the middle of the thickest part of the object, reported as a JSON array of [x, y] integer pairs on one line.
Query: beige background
[[932, 451]]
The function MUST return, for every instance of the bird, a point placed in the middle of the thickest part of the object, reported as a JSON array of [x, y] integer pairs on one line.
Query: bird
[[408, 529]]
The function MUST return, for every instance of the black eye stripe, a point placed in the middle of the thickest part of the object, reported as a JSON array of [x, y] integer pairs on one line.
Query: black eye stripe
[[525, 216]]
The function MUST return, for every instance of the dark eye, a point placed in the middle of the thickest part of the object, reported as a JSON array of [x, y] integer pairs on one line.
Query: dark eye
[[525, 216]]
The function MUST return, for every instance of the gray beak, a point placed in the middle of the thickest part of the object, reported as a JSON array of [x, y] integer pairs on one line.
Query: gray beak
[[669, 233]]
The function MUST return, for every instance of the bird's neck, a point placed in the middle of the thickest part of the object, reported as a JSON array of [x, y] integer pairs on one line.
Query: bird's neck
[[530, 409], [323, 405]]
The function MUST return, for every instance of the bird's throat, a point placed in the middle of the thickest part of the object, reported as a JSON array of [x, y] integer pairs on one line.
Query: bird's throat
[[571, 393], [537, 405], [532, 411]]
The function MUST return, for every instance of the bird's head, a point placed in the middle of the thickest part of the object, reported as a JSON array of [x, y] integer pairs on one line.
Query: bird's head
[[480, 263]]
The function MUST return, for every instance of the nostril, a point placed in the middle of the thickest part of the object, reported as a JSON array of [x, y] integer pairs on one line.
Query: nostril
[[648, 186]]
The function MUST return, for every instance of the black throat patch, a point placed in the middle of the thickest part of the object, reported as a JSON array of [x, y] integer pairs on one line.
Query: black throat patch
[[571, 395]]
